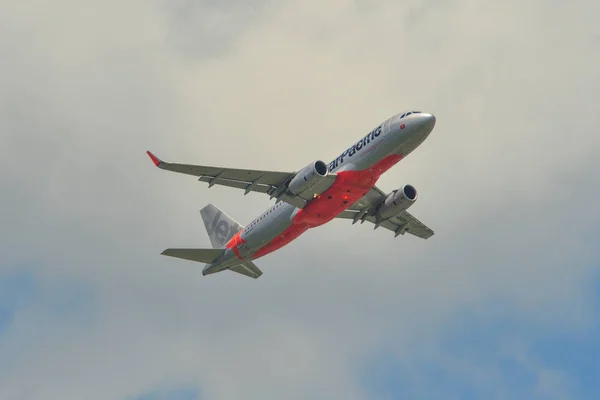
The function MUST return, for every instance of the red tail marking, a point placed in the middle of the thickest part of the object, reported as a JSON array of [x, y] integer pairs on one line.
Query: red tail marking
[[234, 243]]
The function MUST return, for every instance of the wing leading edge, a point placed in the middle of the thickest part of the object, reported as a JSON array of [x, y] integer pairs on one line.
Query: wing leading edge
[[272, 183], [363, 210]]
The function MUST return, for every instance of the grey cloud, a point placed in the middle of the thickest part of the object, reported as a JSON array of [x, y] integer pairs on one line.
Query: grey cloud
[[516, 126], [206, 29]]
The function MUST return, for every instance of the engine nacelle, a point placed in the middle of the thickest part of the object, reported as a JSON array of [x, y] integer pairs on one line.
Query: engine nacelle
[[397, 201], [308, 177]]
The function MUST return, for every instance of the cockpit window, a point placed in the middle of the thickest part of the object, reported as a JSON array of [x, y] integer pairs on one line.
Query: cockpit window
[[408, 113]]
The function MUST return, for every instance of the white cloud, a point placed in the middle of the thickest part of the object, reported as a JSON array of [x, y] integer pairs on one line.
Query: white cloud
[[507, 179]]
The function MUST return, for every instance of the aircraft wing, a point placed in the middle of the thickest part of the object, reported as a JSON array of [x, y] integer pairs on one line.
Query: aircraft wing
[[250, 180], [399, 224]]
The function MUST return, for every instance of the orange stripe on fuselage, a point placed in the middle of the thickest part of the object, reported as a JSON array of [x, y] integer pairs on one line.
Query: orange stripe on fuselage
[[235, 242], [347, 189]]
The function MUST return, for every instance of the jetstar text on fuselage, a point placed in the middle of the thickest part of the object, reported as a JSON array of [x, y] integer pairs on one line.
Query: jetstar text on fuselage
[[351, 151]]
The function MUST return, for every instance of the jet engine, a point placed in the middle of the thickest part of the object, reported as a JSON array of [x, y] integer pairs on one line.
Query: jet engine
[[308, 177], [397, 201]]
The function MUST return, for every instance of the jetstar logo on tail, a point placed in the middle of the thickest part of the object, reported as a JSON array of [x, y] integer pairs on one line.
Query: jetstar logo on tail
[[221, 230], [351, 151]]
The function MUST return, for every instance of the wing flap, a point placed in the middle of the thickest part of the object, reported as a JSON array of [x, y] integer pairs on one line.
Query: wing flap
[[400, 224], [412, 224], [297, 201], [260, 188]]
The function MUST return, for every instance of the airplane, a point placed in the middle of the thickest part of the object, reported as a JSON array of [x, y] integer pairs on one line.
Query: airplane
[[310, 197]]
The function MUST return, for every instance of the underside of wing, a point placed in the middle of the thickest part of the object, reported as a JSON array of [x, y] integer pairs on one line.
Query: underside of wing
[[370, 200], [365, 210], [248, 268], [255, 180], [272, 183], [405, 222]]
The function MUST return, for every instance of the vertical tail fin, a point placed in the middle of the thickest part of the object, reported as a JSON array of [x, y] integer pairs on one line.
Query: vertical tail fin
[[219, 226]]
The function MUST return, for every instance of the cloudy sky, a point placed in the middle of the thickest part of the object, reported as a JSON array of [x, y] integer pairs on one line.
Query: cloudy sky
[[502, 303]]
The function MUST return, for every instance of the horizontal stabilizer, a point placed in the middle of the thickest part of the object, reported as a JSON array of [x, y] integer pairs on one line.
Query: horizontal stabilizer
[[206, 256], [248, 269]]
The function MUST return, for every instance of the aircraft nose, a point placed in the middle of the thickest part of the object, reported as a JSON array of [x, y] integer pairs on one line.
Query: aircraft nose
[[427, 121]]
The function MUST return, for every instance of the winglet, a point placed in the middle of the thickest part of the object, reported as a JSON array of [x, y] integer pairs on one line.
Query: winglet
[[154, 159]]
